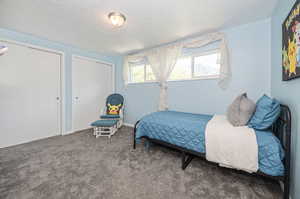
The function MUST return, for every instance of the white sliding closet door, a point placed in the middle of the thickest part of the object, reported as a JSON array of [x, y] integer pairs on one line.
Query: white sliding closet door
[[30, 94], [92, 82]]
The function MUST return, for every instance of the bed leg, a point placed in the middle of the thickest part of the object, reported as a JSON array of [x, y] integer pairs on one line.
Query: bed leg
[[286, 192], [186, 160], [286, 189], [134, 132], [134, 143], [147, 145]]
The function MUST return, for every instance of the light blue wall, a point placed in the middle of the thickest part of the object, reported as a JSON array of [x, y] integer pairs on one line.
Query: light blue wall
[[249, 47], [286, 92], [69, 51]]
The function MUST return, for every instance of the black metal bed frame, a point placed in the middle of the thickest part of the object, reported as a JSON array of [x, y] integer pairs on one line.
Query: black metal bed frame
[[281, 128]]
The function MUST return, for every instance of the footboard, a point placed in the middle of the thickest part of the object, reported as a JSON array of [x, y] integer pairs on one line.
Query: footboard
[[282, 130]]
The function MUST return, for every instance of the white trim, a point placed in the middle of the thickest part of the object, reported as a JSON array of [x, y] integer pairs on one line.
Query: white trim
[[63, 89], [202, 77], [75, 131], [31, 141], [28, 45], [210, 77], [91, 59], [62, 72], [74, 56], [129, 125], [203, 53], [68, 132], [194, 55]]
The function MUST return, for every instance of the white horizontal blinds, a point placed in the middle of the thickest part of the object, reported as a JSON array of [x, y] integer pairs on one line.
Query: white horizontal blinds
[[30, 85], [92, 82]]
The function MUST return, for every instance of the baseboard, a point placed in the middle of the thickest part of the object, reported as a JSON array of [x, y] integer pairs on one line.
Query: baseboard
[[26, 141], [74, 131], [129, 125], [68, 132]]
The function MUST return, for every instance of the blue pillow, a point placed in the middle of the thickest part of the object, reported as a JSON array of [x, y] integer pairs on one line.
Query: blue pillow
[[266, 113]]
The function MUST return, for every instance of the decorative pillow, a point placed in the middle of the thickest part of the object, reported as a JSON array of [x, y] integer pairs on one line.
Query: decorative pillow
[[113, 109], [267, 112], [240, 111]]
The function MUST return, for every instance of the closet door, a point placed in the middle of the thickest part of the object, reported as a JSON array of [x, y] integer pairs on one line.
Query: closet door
[[30, 94], [92, 82]]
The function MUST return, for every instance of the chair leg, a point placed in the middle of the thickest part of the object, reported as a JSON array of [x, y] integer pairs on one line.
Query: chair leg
[[120, 123], [114, 129]]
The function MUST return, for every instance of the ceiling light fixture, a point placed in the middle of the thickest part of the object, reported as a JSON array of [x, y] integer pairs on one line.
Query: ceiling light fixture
[[117, 19]]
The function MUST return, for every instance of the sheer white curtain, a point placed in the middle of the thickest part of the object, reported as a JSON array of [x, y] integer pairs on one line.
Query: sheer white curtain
[[163, 59]]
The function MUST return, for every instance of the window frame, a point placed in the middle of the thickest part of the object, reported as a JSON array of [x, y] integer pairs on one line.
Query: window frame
[[193, 76], [195, 55], [145, 75]]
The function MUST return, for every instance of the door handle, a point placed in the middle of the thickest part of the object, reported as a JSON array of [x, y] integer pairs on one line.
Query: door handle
[[58, 100]]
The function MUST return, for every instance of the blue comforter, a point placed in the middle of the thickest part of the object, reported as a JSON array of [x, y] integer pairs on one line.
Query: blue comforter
[[188, 130]]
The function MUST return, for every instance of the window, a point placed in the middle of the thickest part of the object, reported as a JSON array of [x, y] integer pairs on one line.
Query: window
[[198, 66], [182, 69], [141, 73], [207, 65]]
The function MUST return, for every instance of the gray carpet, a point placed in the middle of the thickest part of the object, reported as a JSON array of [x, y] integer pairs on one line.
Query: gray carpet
[[81, 166]]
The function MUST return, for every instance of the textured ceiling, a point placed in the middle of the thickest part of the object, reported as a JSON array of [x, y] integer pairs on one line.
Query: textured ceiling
[[84, 23]]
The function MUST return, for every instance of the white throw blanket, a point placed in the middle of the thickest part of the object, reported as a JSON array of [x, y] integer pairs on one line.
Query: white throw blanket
[[233, 147]]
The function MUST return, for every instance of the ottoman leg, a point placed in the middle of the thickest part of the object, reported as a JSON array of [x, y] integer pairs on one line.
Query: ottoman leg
[[94, 130]]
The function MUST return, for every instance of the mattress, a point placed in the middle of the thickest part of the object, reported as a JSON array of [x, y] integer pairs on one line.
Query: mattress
[[187, 130]]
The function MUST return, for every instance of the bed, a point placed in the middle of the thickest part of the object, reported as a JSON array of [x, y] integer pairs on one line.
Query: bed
[[186, 132]]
